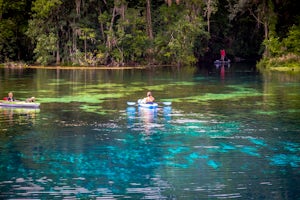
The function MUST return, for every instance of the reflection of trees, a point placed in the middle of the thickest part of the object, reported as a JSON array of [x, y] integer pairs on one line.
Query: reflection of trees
[[19, 115], [281, 77], [281, 93]]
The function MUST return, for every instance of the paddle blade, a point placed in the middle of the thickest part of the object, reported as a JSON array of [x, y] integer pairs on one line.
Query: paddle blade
[[130, 103], [167, 103]]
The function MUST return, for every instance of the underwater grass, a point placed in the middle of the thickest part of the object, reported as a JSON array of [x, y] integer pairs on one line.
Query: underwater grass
[[241, 92]]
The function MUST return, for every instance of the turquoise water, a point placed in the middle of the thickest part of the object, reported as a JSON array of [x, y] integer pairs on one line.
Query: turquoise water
[[230, 133]]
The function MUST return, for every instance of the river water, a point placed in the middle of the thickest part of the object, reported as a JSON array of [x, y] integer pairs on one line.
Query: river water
[[230, 133]]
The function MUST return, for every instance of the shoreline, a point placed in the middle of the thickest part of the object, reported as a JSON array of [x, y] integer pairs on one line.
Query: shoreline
[[25, 66]]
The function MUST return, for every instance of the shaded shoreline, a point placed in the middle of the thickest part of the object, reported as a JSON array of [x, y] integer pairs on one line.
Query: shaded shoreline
[[24, 66]]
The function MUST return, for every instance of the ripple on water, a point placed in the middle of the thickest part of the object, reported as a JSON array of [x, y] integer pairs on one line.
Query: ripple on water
[[226, 196]]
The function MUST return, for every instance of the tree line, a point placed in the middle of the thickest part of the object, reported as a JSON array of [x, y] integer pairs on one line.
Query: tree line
[[131, 32]]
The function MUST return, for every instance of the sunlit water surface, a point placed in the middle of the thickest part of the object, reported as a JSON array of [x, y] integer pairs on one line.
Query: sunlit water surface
[[230, 133]]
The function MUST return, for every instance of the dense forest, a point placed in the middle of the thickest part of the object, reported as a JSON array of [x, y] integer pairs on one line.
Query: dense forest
[[145, 32]]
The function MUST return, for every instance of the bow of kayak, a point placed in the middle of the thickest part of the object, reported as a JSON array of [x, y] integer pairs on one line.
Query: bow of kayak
[[148, 105]]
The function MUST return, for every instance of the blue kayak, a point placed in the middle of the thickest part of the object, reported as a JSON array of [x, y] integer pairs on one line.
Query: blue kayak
[[148, 105], [142, 104]]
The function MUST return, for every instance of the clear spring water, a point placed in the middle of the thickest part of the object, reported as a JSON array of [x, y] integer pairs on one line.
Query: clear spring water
[[230, 133]]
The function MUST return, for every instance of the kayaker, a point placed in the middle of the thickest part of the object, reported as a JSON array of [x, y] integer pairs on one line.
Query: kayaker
[[31, 99], [223, 54], [149, 99], [10, 97]]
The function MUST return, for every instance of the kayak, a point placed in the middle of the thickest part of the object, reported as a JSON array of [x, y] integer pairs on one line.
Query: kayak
[[148, 105], [222, 62], [19, 104], [141, 103]]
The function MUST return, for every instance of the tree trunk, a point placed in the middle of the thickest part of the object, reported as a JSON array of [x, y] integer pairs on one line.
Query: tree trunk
[[85, 38], [169, 2], [149, 20], [57, 50], [110, 38], [208, 24], [101, 26], [266, 29]]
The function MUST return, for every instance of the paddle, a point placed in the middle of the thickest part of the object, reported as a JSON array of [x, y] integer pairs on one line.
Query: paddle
[[132, 103]]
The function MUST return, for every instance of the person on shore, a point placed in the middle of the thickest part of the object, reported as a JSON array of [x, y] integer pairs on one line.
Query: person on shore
[[223, 54]]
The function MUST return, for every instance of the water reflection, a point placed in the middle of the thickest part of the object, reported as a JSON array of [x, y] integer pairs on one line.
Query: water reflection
[[167, 110], [148, 117], [15, 115], [131, 112], [221, 67], [148, 121]]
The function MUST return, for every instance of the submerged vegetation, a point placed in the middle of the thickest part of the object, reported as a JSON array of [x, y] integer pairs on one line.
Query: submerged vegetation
[[138, 32]]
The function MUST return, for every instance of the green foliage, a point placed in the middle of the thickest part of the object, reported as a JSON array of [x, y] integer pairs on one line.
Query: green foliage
[[175, 41], [274, 46], [12, 27], [286, 62], [46, 45], [43, 8], [7, 40], [133, 39], [290, 44], [292, 41], [284, 54]]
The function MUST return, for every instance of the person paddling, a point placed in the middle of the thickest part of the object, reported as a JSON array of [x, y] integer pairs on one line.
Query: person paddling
[[10, 97], [149, 99], [31, 99], [223, 54]]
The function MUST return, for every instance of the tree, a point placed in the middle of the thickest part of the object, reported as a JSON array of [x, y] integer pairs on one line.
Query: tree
[[117, 32], [13, 24], [87, 34], [261, 11], [180, 26], [43, 30], [149, 20], [211, 7]]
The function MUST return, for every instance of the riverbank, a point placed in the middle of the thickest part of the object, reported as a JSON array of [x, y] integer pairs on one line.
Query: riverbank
[[20, 65], [289, 62], [23, 65]]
